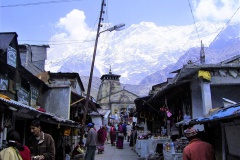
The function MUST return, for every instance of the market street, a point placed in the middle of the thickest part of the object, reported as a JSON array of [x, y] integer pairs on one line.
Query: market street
[[113, 153]]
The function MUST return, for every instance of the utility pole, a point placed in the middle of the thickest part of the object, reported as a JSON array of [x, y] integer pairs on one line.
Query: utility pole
[[114, 28], [202, 54], [92, 67]]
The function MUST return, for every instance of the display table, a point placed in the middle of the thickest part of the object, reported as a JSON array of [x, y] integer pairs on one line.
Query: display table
[[172, 156], [152, 144], [141, 147]]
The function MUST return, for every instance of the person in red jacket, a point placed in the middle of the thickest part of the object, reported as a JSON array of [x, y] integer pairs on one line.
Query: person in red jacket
[[113, 135], [197, 149], [15, 149]]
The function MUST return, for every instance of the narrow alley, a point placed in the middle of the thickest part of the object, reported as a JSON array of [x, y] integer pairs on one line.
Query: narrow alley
[[113, 153]]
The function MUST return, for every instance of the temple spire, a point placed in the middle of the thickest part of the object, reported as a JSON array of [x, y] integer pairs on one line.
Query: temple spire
[[110, 70]]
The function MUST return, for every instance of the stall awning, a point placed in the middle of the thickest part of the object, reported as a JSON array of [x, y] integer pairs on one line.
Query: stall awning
[[78, 99], [32, 112], [217, 114], [142, 105]]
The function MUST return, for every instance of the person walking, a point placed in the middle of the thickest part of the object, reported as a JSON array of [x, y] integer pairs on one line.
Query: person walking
[[91, 142], [133, 137], [120, 137], [197, 149], [129, 128], [15, 150], [108, 127], [113, 135], [42, 145], [102, 136], [124, 128]]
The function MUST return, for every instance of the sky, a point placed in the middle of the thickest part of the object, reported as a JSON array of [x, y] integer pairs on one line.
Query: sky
[[36, 22]]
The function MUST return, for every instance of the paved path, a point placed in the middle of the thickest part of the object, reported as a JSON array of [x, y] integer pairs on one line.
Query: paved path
[[113, 153]]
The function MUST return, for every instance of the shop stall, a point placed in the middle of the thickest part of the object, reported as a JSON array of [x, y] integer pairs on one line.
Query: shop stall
[[221, 130]]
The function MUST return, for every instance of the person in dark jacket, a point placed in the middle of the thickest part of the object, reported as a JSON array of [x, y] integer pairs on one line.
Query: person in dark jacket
[[91, 142], [124, 128], [42, 145]]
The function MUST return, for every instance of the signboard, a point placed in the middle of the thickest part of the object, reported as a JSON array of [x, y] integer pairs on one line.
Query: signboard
[[23, 96], [34, 96], [11, 56], [3, 83]]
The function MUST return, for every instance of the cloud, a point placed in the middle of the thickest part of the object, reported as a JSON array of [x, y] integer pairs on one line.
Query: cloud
[[74, 24], [217, 10], [72, 32]]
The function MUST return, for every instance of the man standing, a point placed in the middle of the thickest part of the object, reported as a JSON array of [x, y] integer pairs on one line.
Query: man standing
[[129, 128], [41, 144], [197, 149], [124, 128], [91, 142]]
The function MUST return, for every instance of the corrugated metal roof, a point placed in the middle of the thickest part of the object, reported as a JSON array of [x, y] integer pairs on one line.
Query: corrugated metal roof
[[5, 39], [57, 119]]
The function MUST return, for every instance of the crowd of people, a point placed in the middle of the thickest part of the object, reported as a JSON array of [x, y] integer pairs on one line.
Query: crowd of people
[[113, 133], [41, 146]]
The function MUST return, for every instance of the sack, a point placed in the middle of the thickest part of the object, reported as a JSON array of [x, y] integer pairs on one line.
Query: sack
[[120, 135]]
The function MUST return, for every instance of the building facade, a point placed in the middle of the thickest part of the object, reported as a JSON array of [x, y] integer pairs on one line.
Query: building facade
[[115, 100]]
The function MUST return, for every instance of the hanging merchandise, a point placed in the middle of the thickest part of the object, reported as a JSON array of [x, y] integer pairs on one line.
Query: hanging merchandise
[[76, 131], [169, 114], [165, 109], [7, 122], [67, 131]]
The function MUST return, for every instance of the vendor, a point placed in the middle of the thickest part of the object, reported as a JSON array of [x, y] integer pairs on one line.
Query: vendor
[[174, 132]]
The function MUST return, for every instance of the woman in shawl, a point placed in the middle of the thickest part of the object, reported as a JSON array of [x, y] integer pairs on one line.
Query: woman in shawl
[[15, 150], [113, 134], [120, 136], [102, 136]]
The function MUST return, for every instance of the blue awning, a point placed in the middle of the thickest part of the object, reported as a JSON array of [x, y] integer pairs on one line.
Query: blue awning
[[218, 114]]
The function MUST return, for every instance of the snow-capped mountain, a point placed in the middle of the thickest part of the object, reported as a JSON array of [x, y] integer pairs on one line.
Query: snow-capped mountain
[[144, 54]]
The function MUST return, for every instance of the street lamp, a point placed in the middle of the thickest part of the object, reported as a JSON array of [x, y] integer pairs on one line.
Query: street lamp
[[116, 27]]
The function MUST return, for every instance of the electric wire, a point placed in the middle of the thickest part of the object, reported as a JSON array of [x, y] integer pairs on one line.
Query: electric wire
[[226, 24], [208, 49], [77, 49], [59, 42], [36, 3], [194, 20]]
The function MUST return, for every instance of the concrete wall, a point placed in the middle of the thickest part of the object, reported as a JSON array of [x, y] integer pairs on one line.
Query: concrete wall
[[97, 120], [196, 99], [57, 101]]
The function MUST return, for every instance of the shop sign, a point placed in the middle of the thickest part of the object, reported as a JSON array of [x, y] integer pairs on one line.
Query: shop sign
[[23, 96], [3, 84], [11, 56], [34, 96]]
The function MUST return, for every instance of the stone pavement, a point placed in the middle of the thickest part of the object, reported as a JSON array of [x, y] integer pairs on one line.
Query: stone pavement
[[113, 153]]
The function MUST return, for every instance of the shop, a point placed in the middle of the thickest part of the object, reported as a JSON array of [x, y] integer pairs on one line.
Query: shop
[[15, 115], [157, 130], [221, 129]]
